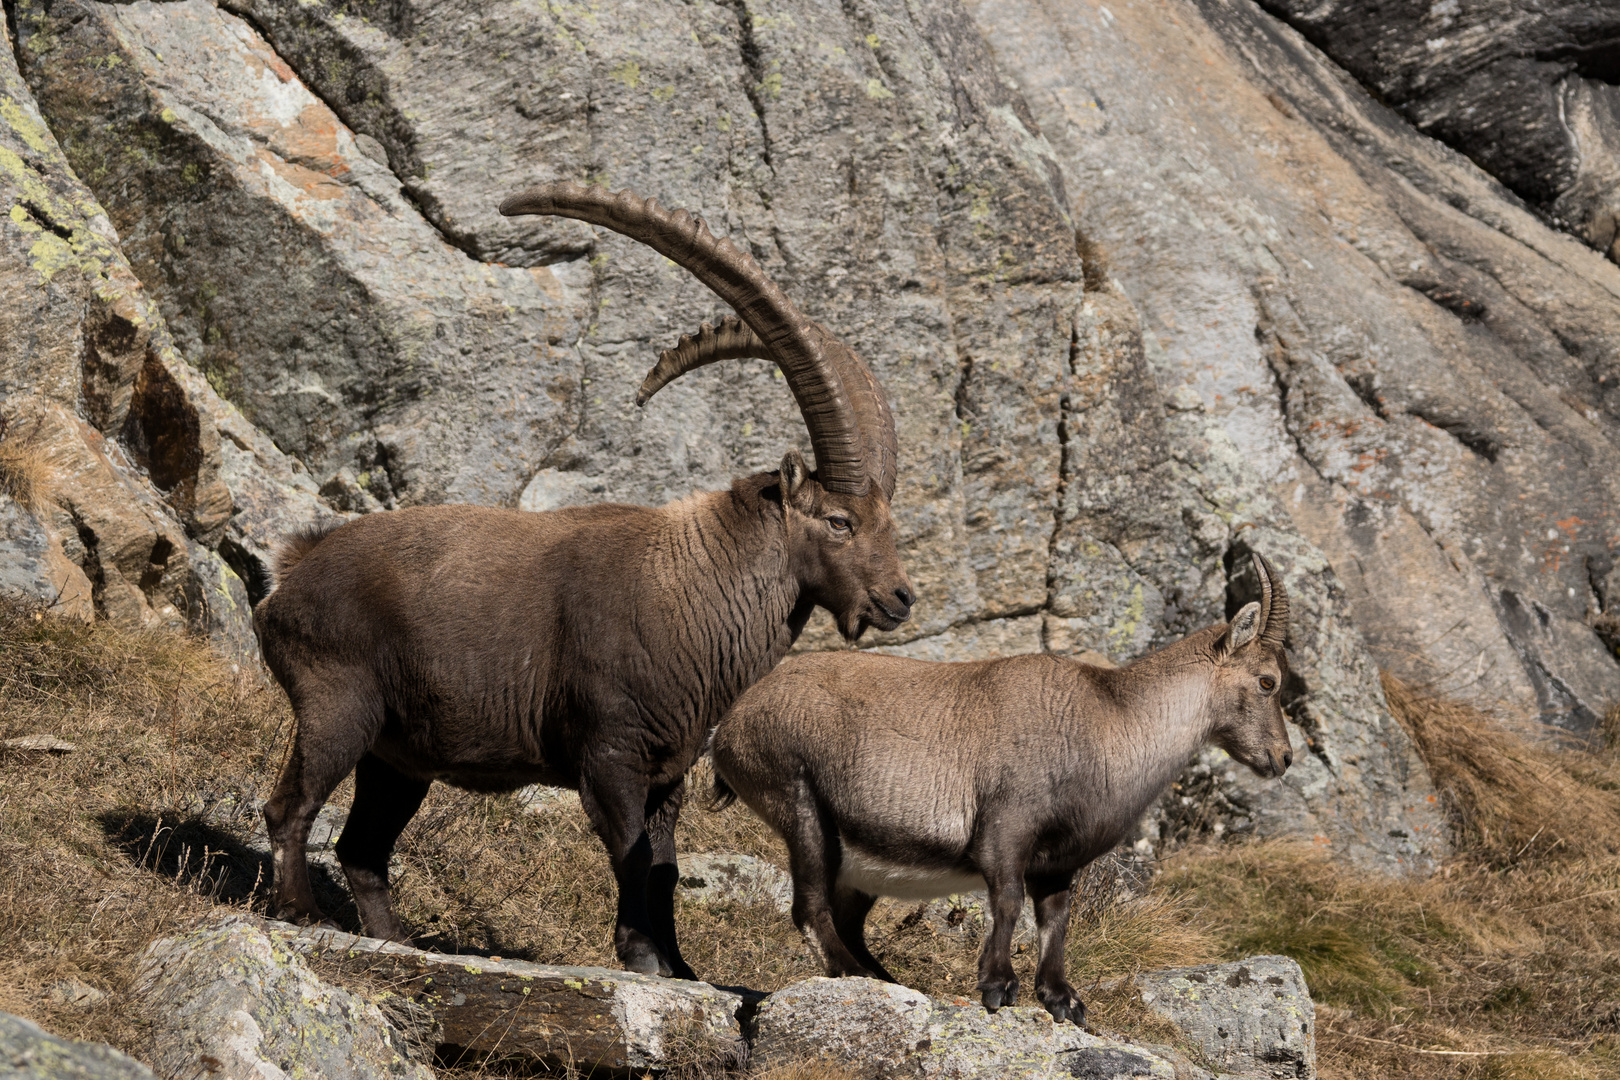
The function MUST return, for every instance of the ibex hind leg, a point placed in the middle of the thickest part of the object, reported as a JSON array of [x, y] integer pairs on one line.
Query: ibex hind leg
[[850, 907], [385, 800], [333, 729], [1050, 895], [813, 858]]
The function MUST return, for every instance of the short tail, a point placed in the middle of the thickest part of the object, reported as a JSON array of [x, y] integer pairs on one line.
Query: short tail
[[295, 546], [721, 795]]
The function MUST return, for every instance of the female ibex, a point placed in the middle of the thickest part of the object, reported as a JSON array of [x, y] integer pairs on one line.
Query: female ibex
[[896, 777], [592, 647]]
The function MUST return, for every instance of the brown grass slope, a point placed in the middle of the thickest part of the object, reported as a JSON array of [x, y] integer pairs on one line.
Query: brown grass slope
[[1507, 964]]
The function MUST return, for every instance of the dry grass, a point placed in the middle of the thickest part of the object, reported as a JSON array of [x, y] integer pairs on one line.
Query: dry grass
[[25, 471], [1508, 960]]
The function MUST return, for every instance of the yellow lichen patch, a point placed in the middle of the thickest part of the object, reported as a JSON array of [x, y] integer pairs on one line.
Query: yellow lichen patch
[[30, 130], [877, 91], [629, 73]]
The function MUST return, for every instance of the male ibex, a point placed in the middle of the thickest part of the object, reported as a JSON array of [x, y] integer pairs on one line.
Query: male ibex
[[592, 647], [896, 777]]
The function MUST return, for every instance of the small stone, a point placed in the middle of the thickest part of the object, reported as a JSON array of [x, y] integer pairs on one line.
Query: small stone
[[74, 993], [42, 744], [713, 879]]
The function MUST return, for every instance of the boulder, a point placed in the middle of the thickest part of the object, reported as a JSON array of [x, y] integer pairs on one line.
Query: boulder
[[874, 1030], [558, 1017], [28, 1053], [233, 1002], [1252, 1018]]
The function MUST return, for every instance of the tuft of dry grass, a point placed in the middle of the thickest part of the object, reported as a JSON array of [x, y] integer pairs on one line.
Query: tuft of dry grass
[[1510, 798], [25, 471]]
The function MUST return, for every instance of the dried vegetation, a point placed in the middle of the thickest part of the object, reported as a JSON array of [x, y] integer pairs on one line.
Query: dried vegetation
[[1505, 964]]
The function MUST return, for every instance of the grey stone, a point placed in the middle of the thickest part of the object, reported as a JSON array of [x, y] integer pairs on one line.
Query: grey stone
[[75, 993], [731, 878], [33, 565], [541, 799], [1253, 1017], [879, 1030], [233, 1002], [29, 1053], [41, 744]]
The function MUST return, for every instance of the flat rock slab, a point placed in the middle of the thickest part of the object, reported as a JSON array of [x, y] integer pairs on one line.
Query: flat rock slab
[[580, 1017], [874, 1031], [29, 1053], [1253, 1017], [234, 1002]]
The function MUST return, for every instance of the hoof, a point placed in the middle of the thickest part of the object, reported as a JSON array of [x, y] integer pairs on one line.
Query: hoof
[[683, 970], [996, 997], [1063, 1003]]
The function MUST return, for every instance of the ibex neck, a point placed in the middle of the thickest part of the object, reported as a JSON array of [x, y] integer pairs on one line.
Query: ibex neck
[[1160, 719], [740, 601]]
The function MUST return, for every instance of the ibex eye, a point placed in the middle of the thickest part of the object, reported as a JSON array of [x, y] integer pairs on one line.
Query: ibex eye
[[840, 524], [1267, 683]]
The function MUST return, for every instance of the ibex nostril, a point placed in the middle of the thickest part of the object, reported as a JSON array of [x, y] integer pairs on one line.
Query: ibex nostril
[[905, 596], [1288, 758]]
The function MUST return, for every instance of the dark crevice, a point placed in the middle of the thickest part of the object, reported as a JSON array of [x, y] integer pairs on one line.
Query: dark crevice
[[1064, 432], [754, 61], [1364, 383], [1478, 438], [45, 221], [964, 375]]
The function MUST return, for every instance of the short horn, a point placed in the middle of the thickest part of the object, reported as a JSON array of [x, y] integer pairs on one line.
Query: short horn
[[1273, 603], [732, 340], [796, 344]]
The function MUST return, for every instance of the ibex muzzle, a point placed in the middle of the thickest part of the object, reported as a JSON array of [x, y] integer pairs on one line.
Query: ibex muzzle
[[896, 777], [592, 647]]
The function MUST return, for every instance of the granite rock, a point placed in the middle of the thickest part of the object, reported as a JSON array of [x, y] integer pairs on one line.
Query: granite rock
[[1251, 1018], [28, 1053]]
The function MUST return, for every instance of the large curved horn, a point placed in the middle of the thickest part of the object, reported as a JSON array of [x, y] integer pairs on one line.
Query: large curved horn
[[733, 340], [797, 345], [1273, 603]]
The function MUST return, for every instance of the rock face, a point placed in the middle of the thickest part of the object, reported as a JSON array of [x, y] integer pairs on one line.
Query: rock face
[[877, 1030], [713, 879], [233, 1002], [142, 462], [1366, 348], [1527, 91], [1253, 1018], [1151, 286], [27, 1053]]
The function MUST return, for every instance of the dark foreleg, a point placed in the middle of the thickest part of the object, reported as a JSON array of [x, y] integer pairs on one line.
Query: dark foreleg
[[334, 729], [384, 801], [998, 985], [850, 908], [615, 800], [663, 810], [813, 858], [1050, 893]]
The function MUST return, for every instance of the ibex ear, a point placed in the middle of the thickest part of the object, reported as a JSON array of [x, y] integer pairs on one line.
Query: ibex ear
[[1241, 630], [794, 475]]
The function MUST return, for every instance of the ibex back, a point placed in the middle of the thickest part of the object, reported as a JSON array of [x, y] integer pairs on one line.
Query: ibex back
[[591, 647], [896, 777]]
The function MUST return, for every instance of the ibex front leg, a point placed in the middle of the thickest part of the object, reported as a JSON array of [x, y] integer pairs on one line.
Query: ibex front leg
[[998, 985], [1050, 892], [615, 800]]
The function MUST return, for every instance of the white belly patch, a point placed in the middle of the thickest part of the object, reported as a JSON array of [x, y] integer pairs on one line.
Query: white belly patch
[[880, 877]]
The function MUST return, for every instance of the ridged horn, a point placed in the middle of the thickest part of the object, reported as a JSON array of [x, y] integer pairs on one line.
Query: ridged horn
[[1273, 603], [796, 344], [733, 340]]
